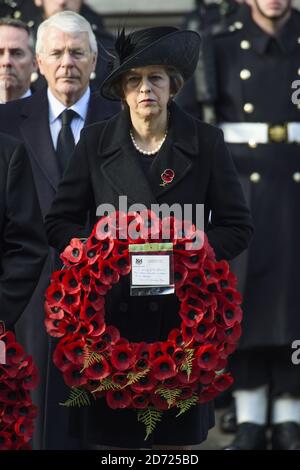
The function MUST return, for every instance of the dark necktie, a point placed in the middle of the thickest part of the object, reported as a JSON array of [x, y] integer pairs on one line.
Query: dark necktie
[[65, 142]]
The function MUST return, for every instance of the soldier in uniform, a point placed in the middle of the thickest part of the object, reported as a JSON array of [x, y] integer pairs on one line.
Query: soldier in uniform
[[33, 12], [256, 62]]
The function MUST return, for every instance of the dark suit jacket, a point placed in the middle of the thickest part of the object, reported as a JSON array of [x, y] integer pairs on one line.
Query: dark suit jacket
[[105, 166], [23, 243]]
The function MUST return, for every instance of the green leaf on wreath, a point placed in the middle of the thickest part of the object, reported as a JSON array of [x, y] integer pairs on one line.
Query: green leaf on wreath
[[188, 362], [78, 397], [90, 358], [134, 377], [107, 384], [149, 417], [169, 394], [185, 405]]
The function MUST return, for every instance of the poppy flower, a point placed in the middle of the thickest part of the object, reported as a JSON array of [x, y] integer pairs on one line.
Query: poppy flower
[[222, 382], [97, 324], [55, 313], [100, 345], [118, 399], [54, 294], [197, 279], [207, 357], [85, 275], [204, 330], [99, 370], [75, 351], [73, 253], [176, 337], [140, 401], [120, 248], [108, 275], [159, 402], [231, 314], [233, 334], [180, 275], [30, 376], [231, 295], [14, 353], [60, 359], [186, 378], [120, 378], [121, 264], [179, 356], [207, 394], [111, 334], [144, 384], [206, 376], [187, 334], [122, 357], [163, 367], [70, 302], [190, 315], [24, 428], [70, 282], [97, 286]]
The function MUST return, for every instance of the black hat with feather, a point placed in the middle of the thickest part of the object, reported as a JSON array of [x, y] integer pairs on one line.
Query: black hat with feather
[[162, 45]]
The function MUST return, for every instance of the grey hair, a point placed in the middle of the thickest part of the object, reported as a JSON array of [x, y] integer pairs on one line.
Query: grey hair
[[14, 23], [68, 22]]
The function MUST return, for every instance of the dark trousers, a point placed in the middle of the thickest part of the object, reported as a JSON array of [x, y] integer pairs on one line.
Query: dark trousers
[[266, 366]]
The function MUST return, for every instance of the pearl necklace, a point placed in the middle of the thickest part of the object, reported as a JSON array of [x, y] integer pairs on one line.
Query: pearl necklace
[[148, 152]]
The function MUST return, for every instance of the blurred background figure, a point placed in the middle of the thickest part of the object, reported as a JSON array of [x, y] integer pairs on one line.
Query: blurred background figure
[[255, 61], [17, 60]]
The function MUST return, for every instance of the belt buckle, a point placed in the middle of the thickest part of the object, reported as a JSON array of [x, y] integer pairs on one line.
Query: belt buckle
[[278, 133]]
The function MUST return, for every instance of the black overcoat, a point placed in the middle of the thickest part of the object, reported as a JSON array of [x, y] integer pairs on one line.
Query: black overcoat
[[23, 243], [105, 166]]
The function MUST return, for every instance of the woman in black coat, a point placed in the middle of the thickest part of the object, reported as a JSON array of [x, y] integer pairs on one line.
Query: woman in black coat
[[127, 156]]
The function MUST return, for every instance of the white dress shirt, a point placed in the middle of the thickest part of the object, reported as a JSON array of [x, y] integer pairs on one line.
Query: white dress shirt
[[55, 110]]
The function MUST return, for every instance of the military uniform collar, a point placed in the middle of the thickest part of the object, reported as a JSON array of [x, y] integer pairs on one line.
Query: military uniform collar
[[286, 39]]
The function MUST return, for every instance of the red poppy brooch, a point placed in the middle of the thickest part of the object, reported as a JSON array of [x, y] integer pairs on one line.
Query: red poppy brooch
[[167, 176]]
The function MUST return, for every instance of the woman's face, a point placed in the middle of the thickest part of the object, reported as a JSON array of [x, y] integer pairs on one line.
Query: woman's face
[[147, 90]]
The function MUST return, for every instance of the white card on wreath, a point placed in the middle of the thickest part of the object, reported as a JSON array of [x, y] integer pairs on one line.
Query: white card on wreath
[[150, 270]]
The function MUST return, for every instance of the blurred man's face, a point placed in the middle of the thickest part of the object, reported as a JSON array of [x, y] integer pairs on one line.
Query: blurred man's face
[[67, 62], [16, 62], [55, 6]]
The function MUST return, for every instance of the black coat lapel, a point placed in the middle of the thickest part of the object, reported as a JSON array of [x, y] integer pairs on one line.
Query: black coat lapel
[[36, 134]]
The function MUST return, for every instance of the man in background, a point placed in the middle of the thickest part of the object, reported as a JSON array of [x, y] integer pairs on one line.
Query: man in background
[[17, 60]]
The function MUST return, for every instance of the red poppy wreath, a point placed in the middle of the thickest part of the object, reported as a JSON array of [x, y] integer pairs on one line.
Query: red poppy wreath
[[17, 413], [95, 360]]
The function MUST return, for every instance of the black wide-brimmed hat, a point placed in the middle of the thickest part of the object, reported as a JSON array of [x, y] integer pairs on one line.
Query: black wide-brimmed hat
[[162, 45]]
